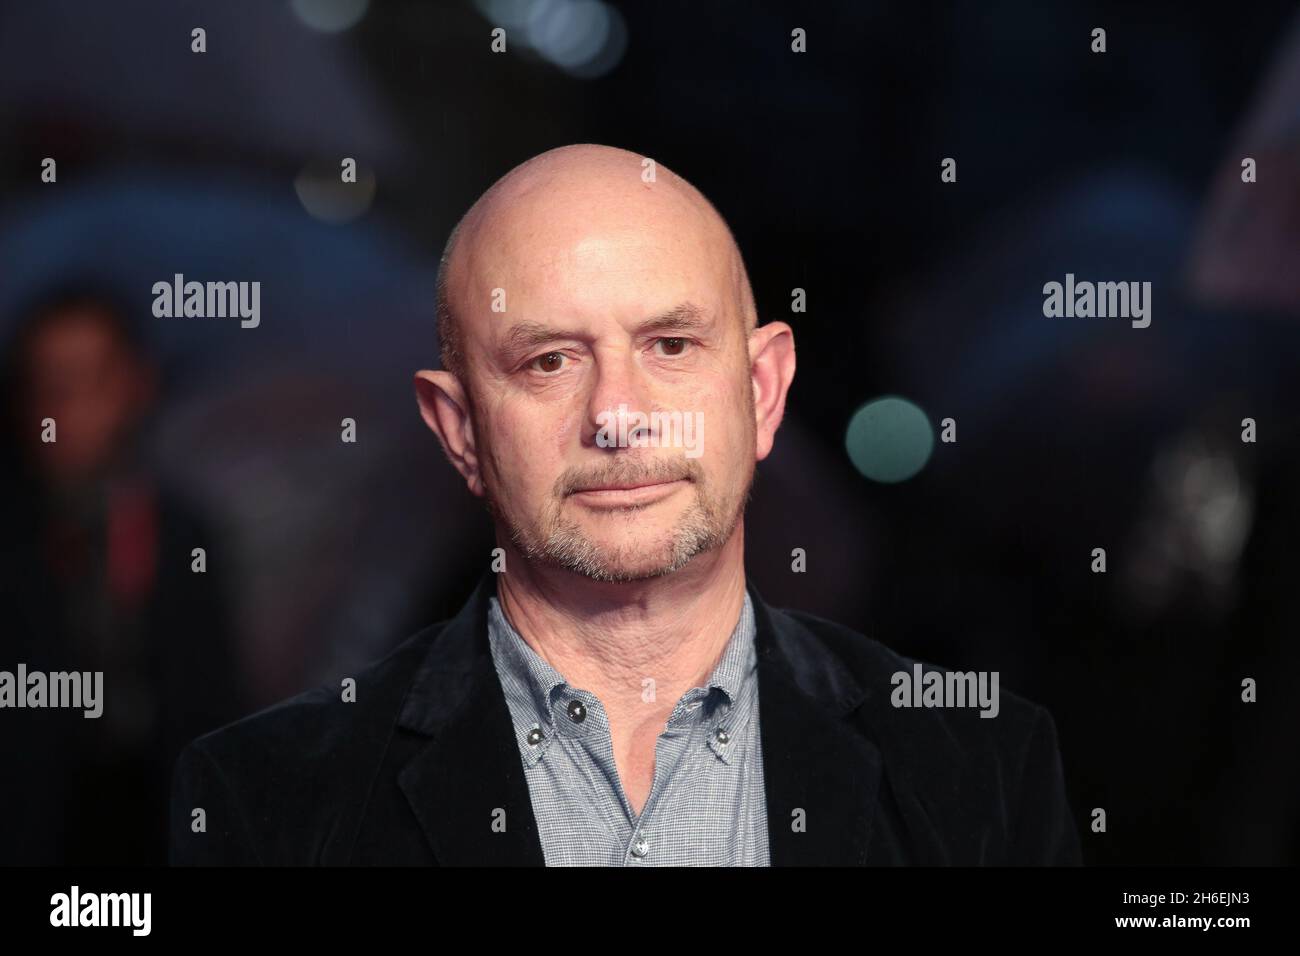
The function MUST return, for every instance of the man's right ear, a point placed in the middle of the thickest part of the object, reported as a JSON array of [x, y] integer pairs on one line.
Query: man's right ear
[[444, 408]]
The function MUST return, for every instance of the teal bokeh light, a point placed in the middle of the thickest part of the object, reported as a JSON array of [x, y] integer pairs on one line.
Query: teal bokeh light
[[889, 439]]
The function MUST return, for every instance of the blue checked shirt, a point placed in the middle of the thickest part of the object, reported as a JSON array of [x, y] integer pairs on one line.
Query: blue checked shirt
[[707, 804]]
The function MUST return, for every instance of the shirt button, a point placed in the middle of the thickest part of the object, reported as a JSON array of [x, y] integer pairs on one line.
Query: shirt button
[[535, 736], [640, 848], [577, 712], [723, 736]]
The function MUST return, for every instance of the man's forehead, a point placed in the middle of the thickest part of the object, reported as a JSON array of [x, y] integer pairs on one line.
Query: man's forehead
[[565, 261], [597, 265]]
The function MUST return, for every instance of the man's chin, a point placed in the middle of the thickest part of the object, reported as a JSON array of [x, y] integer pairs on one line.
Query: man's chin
[[619, 558], [626, 546], [622, 559], [623, 572]]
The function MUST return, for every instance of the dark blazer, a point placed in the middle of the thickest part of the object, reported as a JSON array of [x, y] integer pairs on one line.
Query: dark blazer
[[412, 770]]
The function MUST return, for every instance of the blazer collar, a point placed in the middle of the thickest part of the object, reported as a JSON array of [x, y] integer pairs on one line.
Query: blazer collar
[[821, 775], [467, 788]]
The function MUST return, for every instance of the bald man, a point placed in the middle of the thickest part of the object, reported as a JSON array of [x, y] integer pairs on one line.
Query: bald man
[[615, 693]]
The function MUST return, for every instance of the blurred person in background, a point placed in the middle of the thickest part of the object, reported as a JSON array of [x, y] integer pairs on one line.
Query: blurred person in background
[[96, 575]]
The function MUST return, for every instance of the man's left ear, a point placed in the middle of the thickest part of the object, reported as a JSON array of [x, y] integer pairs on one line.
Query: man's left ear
[[771, 364]]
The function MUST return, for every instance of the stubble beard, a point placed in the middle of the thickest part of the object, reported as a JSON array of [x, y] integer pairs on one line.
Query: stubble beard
[[553, 541]]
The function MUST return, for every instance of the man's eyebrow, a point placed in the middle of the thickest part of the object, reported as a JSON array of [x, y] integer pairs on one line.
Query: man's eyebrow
[[525, 336], [682, 318], [528, 335]]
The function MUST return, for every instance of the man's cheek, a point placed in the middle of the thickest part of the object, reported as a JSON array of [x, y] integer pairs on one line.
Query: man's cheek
[[566, 430], [727, 416]]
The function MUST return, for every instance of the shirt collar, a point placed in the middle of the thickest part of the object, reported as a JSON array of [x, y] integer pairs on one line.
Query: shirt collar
[[520, 664], [737, 659], [531, 684]]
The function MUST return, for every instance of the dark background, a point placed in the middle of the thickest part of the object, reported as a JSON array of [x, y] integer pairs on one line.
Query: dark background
[[1072, 433]]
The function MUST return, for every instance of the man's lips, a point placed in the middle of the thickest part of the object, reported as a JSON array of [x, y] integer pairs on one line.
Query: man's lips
[[627, 487], [628, 493]]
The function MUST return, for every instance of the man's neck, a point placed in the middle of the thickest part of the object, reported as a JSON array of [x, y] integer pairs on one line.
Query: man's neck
[[609, 638]]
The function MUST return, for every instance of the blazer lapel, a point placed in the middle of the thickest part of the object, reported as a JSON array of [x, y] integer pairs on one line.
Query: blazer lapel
[[466, 784], [821, 776]]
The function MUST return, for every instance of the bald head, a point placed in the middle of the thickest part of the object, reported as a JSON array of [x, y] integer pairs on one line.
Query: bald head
[[597, 323], [578, 203]]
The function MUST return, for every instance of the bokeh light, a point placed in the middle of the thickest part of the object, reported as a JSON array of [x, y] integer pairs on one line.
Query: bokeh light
[[326, 197], [889, 439], [330, 16], [585, 38]]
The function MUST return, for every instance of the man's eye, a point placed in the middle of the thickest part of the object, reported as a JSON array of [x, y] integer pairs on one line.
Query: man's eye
[[550, 362], [671, 346]]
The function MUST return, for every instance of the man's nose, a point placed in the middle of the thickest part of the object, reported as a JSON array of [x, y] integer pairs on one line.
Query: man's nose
[[618, 405]]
